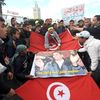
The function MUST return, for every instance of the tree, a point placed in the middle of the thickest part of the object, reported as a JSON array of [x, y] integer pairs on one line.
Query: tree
[[1, 4]]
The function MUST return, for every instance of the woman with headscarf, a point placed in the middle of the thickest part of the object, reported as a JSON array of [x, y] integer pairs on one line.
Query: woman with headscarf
[[20, 64]]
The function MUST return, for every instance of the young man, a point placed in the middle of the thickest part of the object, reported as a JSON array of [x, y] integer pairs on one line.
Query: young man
[[95, 29], [52, 40], [92, 46], [13, 42], [4, 89]]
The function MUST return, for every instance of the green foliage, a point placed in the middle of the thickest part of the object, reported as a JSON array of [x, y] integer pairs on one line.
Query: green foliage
[[2, 2]]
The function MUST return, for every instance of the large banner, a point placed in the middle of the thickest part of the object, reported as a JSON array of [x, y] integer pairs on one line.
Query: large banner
[[75, 13], [57, 64]]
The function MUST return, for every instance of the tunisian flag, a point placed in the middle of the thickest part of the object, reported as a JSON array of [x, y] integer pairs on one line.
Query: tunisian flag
[[67, 42], [75, 88]]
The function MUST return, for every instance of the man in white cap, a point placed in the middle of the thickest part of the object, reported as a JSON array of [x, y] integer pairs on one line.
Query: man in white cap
[[92, 46]]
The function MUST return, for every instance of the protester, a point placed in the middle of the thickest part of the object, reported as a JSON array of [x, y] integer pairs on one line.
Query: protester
[[20, 64], [55, 26], [70, 27], [45, 26], [25, 34], [51, 39], [13, 42], [4, 89], [87, 25], [61, 27], [13, 22], [38, 29], [92, 46], [95, 29]]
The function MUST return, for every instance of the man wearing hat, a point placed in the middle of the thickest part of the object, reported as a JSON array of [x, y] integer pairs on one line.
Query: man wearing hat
[[52, 39], [92, 46]]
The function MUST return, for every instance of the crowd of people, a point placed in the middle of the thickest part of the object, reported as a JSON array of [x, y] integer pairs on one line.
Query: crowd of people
[[14, 41]]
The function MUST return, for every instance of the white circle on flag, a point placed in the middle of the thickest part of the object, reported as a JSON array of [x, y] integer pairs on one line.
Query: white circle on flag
[[58, 91]]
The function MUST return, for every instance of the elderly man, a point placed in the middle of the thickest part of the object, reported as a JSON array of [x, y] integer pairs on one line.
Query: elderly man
[[92, 46]]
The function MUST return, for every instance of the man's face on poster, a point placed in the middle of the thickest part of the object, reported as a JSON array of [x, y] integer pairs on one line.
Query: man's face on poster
[[57, 56], [39, 62]]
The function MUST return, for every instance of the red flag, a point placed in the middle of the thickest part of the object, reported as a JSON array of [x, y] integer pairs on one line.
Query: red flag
[[75, 88], [67, 42]]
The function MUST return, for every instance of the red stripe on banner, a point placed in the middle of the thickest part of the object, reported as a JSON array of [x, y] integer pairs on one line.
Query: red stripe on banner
[[80, 88]]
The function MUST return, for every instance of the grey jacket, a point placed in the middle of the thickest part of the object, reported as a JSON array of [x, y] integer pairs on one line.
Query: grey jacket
[[55, 35]]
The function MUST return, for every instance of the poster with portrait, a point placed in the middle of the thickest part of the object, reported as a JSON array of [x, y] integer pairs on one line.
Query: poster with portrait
[[57, 64]]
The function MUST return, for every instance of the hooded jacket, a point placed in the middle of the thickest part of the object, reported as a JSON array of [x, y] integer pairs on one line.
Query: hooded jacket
[[92, 46]]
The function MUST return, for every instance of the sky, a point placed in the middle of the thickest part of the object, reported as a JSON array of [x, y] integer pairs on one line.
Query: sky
[[50, 8]]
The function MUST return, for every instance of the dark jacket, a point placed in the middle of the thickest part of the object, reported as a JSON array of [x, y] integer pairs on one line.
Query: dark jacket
[[23, 37], [94, 31], [10, 48], [22, 66], [61, 29], [4, 89], [3, 53]]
